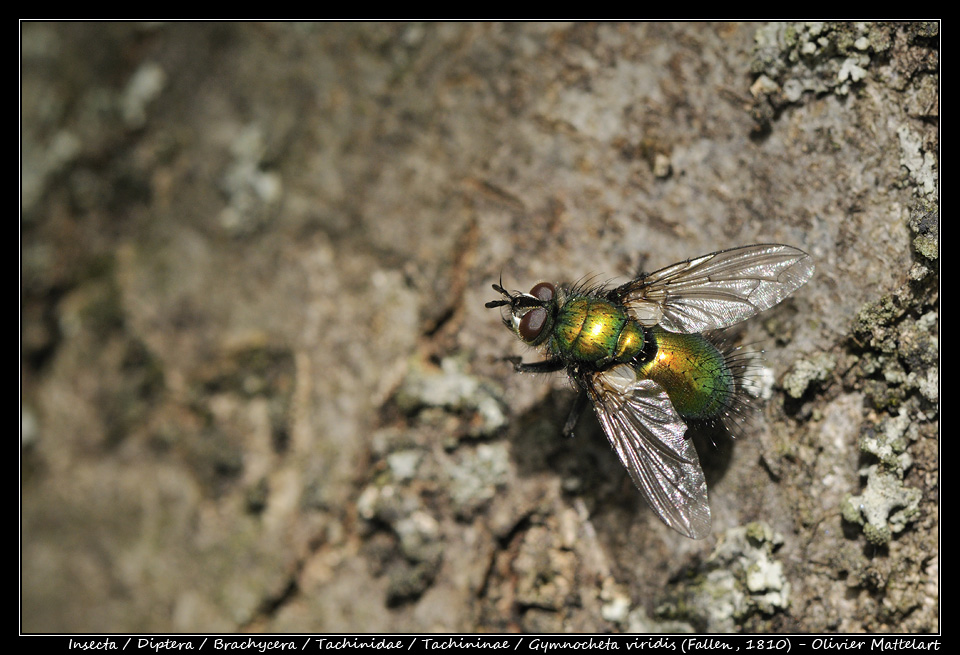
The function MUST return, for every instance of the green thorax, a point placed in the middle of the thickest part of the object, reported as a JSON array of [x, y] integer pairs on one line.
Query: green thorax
[[694, 373], [596, 331]]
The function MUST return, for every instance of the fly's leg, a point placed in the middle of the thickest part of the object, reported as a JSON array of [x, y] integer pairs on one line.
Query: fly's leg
[[546, 366], [552, 366], [575, 412]]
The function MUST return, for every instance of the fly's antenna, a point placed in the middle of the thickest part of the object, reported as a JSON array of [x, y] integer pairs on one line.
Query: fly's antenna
[[499, 303], [499, 289]]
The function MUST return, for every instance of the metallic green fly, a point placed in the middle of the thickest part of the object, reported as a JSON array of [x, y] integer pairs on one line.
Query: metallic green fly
[[638, 352]]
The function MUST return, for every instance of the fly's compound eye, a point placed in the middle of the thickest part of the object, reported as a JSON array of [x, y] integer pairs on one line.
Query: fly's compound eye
[[543, 291], [531, 325]]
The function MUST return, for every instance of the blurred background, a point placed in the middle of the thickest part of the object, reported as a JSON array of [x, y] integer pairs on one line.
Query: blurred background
[[260, 391]]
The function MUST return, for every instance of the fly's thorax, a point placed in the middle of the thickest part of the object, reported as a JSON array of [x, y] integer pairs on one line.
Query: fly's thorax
[[594, 330], [693, 372]]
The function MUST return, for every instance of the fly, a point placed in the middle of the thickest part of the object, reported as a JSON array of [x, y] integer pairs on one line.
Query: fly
[[637, 352]]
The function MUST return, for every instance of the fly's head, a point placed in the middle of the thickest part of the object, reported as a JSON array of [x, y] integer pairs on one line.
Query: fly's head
[[529, 315]]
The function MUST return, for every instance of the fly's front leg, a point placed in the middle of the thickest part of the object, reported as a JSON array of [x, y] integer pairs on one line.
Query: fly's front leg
[[546, 366], [552, 366]]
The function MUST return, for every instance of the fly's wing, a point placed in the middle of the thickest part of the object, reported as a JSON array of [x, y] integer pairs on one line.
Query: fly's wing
[[647, 434], [716, 290]]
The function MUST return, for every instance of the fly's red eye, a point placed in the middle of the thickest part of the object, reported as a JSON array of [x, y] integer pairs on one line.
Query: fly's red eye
[[544, 291], [531, 325]]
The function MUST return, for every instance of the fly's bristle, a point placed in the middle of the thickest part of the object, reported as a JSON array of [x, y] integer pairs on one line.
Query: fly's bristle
[[587, 286]]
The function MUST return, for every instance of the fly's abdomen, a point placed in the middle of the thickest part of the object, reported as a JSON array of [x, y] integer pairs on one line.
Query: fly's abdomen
[[693, 372], [596, 331]]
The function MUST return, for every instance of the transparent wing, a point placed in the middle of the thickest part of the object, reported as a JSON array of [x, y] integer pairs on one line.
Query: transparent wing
[[647, 434], [716, 290]]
